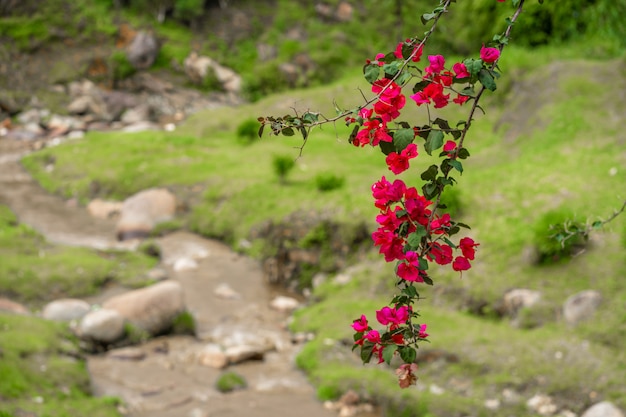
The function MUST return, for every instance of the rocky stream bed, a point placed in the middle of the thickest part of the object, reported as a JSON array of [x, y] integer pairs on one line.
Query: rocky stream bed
[[225, 292]]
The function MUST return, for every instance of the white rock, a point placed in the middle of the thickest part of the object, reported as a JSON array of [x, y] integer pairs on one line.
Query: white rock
[[66, 309], [102, 325], [282, 303], [542, 404], [237, 354], [603, 409], [185, 264]]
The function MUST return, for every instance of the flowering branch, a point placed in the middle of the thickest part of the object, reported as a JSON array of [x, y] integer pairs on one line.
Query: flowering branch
[[412, 231]]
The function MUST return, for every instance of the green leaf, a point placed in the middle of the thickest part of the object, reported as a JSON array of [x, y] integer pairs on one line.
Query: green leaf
[[487, 80], [407, 354], [358, 336], [468, 91], [442, 123], [371, 72], [261, 130], [386, 147], [434, 141], [420, 86], [415, 239], [463, 153], [410, 291], [367, 351], [596, 225], [402, 138], [423, 264], [473, 65], [428, 16], [353, 134], [427, 280], [456, 165], [430, 190], [392, 68], [287, 131], [388, 352], [309, 117], [430, 174]]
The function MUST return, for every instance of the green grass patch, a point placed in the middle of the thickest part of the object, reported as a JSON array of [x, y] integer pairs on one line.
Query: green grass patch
[[34, 271], [42, 372]]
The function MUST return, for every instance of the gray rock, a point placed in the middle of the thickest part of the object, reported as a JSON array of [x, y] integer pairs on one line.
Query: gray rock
[[153, 308], [103, 325], [142, 211], [581, 306], [518, 298], [65, 309], [143, 50], [197, 67], [603, 409]]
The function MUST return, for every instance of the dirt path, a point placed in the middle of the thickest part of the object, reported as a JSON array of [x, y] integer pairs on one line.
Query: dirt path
[[162, 378]]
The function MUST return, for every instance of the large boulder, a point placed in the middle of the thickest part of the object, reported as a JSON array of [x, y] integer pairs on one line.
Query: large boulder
[[103, 326], [143, 50], [66, 309], [153, 308], [144, 210], [581, 306]]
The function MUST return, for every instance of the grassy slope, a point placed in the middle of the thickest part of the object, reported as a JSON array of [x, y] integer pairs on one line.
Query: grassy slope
[[507, 185]]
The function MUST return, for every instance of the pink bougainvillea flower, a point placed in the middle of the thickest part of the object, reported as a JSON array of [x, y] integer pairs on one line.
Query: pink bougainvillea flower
[[406, 375], [437, 63], [388, 315], [409, 270], [385, 192], [467, 246], [439, 223], [391, 246], [422, 333], [365, 113], [489, 55], [460, 70], [373, 336], [416, 55], [374, 131], [449, 146], [399, 163], [442, 254], [460, 99], [461, 264], [360, 325]]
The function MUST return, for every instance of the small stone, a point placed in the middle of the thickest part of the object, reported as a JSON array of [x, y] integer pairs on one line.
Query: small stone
[[238, 354], [286, 304], [212, 355], [185, 264], [225, 291], [542, 404], [492, 404]]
